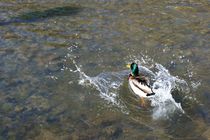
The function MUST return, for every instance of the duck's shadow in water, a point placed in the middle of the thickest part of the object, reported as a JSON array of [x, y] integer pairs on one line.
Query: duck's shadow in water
[[36, 16]]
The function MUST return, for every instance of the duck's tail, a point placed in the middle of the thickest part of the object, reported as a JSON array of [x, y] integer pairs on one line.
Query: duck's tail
[[150, 94]]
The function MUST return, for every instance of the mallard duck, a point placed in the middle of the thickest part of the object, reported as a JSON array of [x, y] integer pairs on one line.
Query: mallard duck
[[139, 84]]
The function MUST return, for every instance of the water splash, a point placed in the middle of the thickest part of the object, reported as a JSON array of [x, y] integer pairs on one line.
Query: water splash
[[163, 102], [163, 85], [108, 85]]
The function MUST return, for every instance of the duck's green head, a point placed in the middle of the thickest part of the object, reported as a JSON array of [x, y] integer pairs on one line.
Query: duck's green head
[[134, 69]]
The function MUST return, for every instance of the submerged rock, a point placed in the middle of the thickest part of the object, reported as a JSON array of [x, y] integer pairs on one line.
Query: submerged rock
[[46, 135], [86, 36], [6, 107], [38, 102], [113, 132], [206, 134]]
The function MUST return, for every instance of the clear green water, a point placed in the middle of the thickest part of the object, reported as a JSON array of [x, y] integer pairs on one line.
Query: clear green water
[[42, 43]]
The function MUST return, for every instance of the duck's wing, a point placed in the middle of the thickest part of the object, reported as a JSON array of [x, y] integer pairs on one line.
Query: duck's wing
[[135, 88], [143, 86]]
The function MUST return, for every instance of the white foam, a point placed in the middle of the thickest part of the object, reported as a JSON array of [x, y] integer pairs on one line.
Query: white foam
[[163, 102], [108, 85]]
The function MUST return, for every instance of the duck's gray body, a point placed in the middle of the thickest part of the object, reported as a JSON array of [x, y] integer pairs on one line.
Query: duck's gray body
[[140, 88]]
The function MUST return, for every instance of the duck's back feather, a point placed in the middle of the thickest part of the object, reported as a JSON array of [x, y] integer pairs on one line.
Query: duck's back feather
[[140, 88]]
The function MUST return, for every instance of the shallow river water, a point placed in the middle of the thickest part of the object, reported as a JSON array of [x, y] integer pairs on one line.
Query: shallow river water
[[63, 74]]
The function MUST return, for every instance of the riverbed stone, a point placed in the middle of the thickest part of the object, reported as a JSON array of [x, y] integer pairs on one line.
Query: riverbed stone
[[37, 102], [206, 134], [86, 36], [46, 135], [6, 107]]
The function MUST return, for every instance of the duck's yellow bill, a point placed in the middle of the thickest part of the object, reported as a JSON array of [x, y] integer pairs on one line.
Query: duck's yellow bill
[[128, 66]]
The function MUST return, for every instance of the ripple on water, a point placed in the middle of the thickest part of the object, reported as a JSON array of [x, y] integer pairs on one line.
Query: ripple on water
[[109, 83]]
